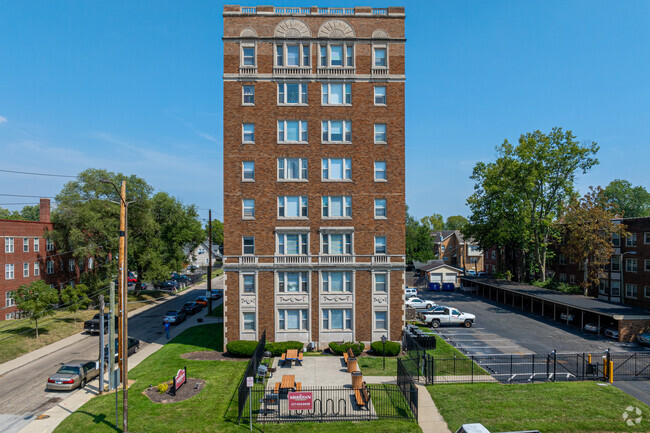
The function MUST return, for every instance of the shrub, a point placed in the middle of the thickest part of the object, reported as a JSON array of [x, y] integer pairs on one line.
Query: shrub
[[392, 348], [241, 349], [162, 387], [338, 349], [277, 349]]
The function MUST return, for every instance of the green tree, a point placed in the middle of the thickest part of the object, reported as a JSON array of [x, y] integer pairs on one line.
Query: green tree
[[633, 201], [517, 198], [36, 299], [419, 242], [30, 213], [75, 298], [433, 223], [217, 232], [455, 222]]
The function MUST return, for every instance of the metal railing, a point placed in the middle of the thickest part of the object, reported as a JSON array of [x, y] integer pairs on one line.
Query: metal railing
[[406, 385], [251, 371], [336, 11], [288, 11]]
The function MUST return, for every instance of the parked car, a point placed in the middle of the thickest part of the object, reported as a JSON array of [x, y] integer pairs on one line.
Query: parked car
[[216, 293], [643, 339], [410, 292], [202, 300], [92, 326], [568, 317], [449, 316], [170, 285], [592, 327], [184, 279], [133, 346], [612, 332], [420, 304], [436, 309], [471, 273], [192, 308], [72, 375], [174, 317]]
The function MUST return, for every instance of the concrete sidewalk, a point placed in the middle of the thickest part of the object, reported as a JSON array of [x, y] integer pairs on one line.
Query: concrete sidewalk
[[54, 416]]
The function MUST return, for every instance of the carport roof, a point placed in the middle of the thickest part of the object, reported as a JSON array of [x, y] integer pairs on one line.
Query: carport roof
[[615, 311]]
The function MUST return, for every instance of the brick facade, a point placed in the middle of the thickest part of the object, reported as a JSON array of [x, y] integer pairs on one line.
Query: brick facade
[[264, 28]]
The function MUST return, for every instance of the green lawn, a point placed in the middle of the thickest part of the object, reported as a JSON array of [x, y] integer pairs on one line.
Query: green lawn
[[217, 311], [214, 409], [547, 407], [373, 366]]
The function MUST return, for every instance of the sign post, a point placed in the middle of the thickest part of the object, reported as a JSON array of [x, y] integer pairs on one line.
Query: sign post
[[249, 384]]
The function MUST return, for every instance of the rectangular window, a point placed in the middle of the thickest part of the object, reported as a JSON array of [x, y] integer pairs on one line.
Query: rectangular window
[[349, 56], [71, 265], [380, 133], [50, 267], [248, 205], [305, 55], [647, 265], [380, 244], [292, 206], [380, 57], [292, 131], [380, 208], [293, 282], [336, 168], [337, 319], [292, 168], [292, 243], [25, 245], [91, 262], [646, 238], [562, 278], [616, 263], [380, 171], [336, 55], [602, 287], [248, 245], [381, 323], [572, 279], [37, 269], [9, 245], [249, 95], [336, 131], [336, 243], [293, 55], [336, 94], [36, 244], [630, 265], [248, 56], [25, 269], [562, 259], [337, 206], [646, 290], [9, 272], [249, 283], [248, 171], [616, 240], [248, 133], [336, 282], [630, 241], [293, 320], [10, 300], [292, 93], [630, 290], [494, 254], [49, 245], [380, 95], [381, 282], [249, 321], [615, 288]]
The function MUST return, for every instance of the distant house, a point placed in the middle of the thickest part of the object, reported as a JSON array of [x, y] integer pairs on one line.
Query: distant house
[[203, 256], [438, 271], [454, 250]]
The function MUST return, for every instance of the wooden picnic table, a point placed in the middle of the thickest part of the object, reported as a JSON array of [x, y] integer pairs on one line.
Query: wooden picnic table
[[288, 382], [292, 354]]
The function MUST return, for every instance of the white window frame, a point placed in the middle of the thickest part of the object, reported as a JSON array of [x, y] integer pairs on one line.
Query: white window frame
[[347, 278], [345, 59], [303, 93], [244, 126], [646, 263], [247, 275], [304, 59], [244, 207], [326, 92], [378, 134], [244, 239], [303, 207], [386, 274], [49, 245], [244, 321], [242, 48], [244, 95], [615, 288], [572, 279], [281, 243], [631, 265], [25, 270], [37, 269], [10, 299], [376, 320], [49, 267], [326, 132], [379, 170], [631, 290], [249, 173], [376, 96], [282, 279], [37, 244], [25, 245], [283, 169], [9, 271], [347, 242], [303, 133], [379, 207], [327, 205], [303, 320], [378, 244], [630, 241], [376, 47], [347, 319], [615, 263], [9, 245], [71, 265], [326, 171]]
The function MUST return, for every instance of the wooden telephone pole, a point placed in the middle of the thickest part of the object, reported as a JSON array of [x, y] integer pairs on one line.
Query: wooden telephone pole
[[123, 310]]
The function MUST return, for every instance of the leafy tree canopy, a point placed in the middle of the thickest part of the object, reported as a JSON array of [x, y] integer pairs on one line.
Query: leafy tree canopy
[[217, 232], [36, 299], [455, 222], [419, 242], [28, 213], [632, 201]]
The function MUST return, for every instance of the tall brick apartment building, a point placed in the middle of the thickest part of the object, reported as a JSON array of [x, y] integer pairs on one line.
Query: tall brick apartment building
[[27, 256], [314, 192]]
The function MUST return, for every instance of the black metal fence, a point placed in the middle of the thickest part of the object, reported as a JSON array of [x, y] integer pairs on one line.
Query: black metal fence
[[330, 404], [406, 385], [251, 371], [630, 366]]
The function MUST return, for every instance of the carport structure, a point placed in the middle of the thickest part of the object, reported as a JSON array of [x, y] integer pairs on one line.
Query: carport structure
[[571, 309]]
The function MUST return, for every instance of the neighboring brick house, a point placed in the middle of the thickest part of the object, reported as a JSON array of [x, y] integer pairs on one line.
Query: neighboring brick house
[[27, 256], [490, 261], [314, 173], [458, 252]]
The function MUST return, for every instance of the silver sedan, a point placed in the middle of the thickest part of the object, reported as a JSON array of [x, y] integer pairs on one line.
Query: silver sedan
[[72, 375]]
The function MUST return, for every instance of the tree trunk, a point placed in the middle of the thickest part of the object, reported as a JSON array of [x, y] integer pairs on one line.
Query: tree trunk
[[585, 278]]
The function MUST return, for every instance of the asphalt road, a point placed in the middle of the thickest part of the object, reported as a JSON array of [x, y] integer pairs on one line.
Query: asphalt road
[[23, 393]]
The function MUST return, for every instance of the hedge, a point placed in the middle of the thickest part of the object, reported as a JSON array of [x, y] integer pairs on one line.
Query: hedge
[[338, 349], [392, 348], [245, 349]]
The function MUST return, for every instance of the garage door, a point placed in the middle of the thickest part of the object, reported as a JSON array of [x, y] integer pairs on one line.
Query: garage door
[[449, 278], [435, 277]]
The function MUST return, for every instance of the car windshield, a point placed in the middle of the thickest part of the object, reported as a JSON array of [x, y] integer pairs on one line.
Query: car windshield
[[189, 305], [170, 313], [67, 369]]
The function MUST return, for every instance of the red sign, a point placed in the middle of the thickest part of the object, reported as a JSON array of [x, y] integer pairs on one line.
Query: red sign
[[300, 401], [180, 378]]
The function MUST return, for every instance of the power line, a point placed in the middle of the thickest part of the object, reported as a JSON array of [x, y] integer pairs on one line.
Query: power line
[[36, 174], [31, 196], [11, 204]]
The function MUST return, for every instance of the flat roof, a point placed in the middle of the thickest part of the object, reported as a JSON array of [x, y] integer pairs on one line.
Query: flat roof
[[615, 311]]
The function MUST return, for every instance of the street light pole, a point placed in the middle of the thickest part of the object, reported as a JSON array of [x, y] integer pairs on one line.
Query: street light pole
[[383, 342]]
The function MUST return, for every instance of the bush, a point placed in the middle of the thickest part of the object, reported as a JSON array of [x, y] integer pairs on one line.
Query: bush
[[241, 349], [392, 348], [339, 349], [277, 349]]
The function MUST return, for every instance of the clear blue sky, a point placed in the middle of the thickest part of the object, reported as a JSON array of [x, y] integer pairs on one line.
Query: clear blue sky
[[135, 86]]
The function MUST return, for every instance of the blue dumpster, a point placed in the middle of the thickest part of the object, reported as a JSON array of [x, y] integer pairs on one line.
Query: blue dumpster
[[434, 287], [448, 287]]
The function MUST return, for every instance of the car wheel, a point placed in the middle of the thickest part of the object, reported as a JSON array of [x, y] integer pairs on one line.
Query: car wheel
[[135, 350], [435, 323], [468, 323], [83, 383], [429, 306]]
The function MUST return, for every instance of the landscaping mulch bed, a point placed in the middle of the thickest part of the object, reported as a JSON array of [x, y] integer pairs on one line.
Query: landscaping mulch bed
[[210, 355], [189, 389]]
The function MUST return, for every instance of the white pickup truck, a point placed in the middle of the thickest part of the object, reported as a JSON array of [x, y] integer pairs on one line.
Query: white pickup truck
[[447, 316]]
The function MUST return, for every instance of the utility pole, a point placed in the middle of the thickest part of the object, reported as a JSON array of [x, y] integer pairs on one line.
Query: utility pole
[[123, 292], [111, 338], [101, 344], [210, 261]]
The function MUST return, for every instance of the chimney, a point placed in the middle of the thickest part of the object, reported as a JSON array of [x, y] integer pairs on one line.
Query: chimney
[[44, 210]]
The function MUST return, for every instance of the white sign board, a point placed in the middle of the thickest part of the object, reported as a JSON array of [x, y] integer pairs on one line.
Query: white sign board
[[249, 381]]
